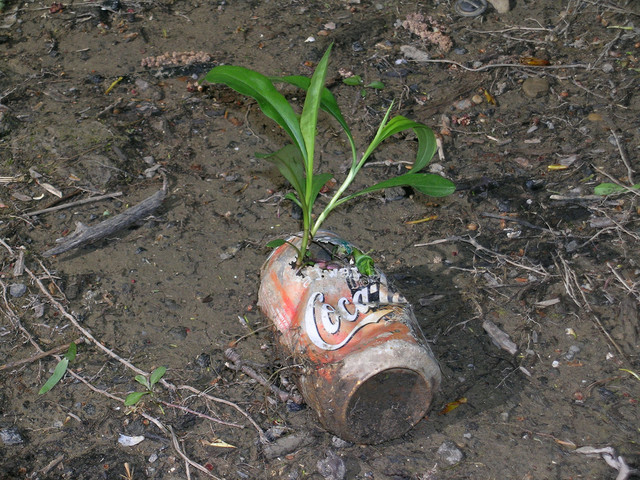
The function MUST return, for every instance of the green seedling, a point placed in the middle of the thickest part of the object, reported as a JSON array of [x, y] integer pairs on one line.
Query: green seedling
[[356, 80], [60, 370], [148, 383], [296, 160], [611, 188]]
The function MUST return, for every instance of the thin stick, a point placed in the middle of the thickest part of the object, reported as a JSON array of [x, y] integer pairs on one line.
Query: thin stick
[[238, 364], [84, 235], [517, 220], [625, 160], [226, 402], [201, 415], [83, 330], [501, 65], [176, 447], [39, 355], [74, 204]]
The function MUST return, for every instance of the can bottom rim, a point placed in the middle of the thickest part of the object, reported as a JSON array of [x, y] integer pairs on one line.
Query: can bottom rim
[[387, 404]]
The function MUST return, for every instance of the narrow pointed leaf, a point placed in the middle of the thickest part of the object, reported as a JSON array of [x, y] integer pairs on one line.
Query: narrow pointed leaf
[[58, 373], [328, 103], [426, 139], [260, 88], [156, 375], [71, 352], [292, 197], [309, 117], [319, 181], [290, 164], [427, 183]]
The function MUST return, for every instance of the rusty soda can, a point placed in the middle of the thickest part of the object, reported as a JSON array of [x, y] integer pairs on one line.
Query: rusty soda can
[[365, 366]]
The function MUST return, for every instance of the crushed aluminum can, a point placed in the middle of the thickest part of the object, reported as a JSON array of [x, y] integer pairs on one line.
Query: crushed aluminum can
[[363, 363]]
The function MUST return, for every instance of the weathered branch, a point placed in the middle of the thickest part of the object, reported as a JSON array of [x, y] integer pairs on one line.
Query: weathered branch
[[84, 235]]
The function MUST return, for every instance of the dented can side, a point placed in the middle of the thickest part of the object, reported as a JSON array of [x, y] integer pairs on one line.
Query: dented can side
[[367, 370]]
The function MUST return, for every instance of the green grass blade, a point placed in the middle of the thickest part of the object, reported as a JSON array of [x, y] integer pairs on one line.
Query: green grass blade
[[309, 117], [58, 373], [328, 103], [260, 88], [156, 375]]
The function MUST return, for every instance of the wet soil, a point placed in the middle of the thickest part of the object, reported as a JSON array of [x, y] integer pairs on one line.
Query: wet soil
[[523, 243]]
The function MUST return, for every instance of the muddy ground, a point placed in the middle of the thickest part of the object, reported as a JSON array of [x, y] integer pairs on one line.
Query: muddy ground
[[535, 108]]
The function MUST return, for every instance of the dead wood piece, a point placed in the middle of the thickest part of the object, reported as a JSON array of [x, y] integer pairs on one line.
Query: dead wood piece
[[238, 364], [499, 338], [84, 235]]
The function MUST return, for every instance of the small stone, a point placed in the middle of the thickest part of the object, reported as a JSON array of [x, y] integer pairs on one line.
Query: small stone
[[501, 6], [462, 104], [450, 453], [337, 442], [595, 117], [534, 87], [332, 467], [477, 99], [203, 360], [11, 436], [460, 51], [17, 290], [607, 68]]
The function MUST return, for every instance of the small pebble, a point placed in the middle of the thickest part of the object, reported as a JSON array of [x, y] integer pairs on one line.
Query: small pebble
[[332, 467], [203, 360], [450, 453], [460, 51], [573, 350], [534, 87], [17, 290], [477, 99], [11, 436], [463, 104], [607, 68]]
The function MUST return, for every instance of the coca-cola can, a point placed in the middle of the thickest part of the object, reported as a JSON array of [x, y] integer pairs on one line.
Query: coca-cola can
[[362, 362]]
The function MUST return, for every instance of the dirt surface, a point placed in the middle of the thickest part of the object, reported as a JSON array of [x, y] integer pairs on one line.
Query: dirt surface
[[523, 243]]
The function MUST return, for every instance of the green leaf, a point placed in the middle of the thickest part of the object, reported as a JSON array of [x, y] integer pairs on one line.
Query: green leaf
[[71, 352], [609, 188], [427, 183], [156, 375], [142, 380], [354, 80], [309, 117], [290, 163], [134, 398], [364, 263], [275, 243], [58, 373], [260, 88], [319, 181], [427, 145], [292, 197], [328, 103], [377, 85]]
